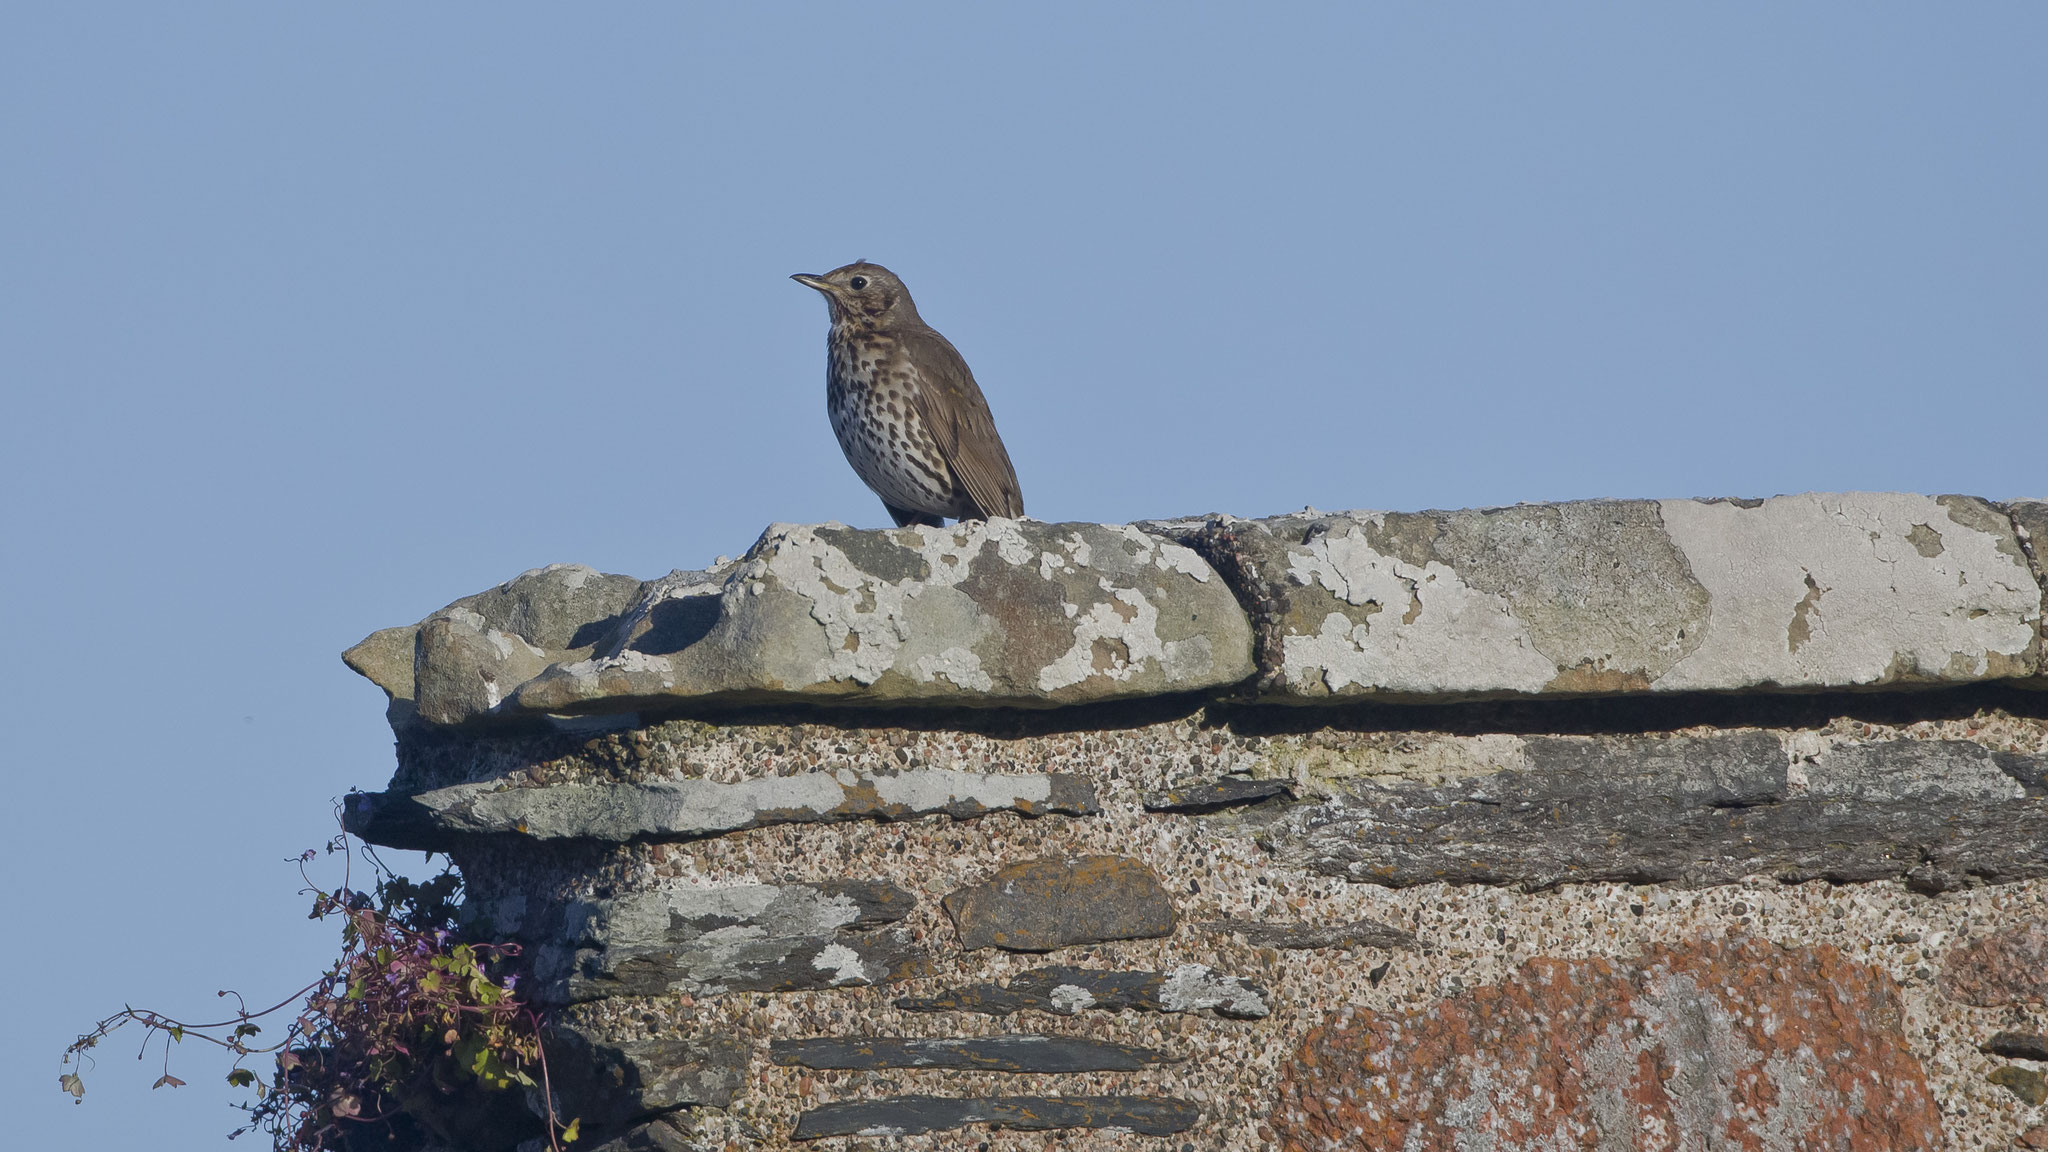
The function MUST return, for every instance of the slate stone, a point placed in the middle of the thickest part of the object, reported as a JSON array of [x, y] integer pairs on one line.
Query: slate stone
[[610, 1082], [1008, 613], [912, 1115], [1694, 810], [2030, 1086], [687, 809], [1013, 1053], [393, 820], [1607, 597], [1211, 795], [1304, 937], [1045, 904], [1676, 1042], [1069, 991], [2018, 1045], [737, 938]]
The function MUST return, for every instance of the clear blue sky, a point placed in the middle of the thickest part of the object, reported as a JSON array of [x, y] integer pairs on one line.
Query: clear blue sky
[[315, 317]]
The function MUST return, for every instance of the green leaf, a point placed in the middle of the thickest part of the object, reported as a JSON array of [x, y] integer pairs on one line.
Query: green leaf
[[574, 1130], [241, 1078]]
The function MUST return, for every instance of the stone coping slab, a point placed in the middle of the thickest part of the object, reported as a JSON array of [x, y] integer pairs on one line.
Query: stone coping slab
[[1002, 613], [1603, 597], [1800, 593]]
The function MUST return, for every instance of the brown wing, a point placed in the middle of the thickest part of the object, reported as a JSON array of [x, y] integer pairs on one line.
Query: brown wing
[[951, 405]]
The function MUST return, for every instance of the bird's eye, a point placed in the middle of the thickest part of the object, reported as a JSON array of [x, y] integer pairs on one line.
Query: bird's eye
[[857, 283]]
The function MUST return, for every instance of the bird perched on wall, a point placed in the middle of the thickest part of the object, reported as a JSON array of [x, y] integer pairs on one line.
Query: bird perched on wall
[[908, 414]]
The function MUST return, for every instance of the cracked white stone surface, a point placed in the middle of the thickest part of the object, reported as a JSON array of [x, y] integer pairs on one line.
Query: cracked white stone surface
[[1876, 606]]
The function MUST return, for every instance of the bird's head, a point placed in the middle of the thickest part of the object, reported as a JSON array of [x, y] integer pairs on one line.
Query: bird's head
[[864, 295]]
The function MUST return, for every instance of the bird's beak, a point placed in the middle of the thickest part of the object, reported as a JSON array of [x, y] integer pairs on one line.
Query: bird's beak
[[810, 281]]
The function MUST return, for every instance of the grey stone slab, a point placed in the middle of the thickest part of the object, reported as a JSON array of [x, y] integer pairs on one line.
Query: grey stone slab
[[1608, 596], [995, 613], [685, 809], [1209, 795], [1046, 904], [735, 938], [610, 1082], [1068, 991], [1307, 937], [1012, 1053], [913, 1115], [1694, 811]]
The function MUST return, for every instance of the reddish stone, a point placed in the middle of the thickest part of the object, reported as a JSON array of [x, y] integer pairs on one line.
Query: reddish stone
[[1740, 1046], [2036, 1137], [2008, 968]]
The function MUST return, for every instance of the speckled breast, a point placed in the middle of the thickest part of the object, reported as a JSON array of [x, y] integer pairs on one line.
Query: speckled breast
[[869, 399]]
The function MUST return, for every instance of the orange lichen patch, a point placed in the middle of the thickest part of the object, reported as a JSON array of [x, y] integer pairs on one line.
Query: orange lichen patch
[[1736, 1045]]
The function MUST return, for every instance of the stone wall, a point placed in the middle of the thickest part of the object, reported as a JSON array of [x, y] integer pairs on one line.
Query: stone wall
[[1606, 825]]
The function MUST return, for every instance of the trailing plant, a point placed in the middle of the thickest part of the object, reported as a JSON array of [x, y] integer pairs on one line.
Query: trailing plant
[[413, 1031]]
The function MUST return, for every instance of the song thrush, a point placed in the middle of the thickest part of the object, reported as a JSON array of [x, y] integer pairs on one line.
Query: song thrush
[[907, 411]]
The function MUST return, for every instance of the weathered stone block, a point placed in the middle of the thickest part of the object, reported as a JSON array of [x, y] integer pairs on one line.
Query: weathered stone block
[[1743, 1046], [685, 809], [463, 662], [1068, 991], [1041, 905], [996, 613], [735, 938], [1613, 596], [912, 1115]]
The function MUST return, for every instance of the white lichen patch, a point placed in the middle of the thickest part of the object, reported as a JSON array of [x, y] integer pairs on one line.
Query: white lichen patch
[[1112, 638], [937, 789], [1837, 590], [843, 962], [957, 666], [1429, 631], [1194, 987], [1068, 999], [587, 674]]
